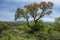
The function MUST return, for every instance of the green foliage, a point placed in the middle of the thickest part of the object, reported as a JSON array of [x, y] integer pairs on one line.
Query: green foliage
[[22, 32], [57, 24]]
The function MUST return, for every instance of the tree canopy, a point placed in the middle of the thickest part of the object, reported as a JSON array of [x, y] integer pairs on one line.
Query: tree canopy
[[32, 11]]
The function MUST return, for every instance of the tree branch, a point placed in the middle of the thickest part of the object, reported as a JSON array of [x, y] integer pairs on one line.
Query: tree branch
[[39, 17]]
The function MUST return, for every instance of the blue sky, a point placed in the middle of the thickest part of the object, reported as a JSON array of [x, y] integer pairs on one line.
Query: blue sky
[[8, 9]]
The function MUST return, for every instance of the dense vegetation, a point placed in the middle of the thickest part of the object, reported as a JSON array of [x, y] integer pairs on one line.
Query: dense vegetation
[[20, 31]]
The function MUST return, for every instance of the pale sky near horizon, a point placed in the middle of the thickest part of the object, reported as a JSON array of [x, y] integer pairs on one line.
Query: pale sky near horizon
[[8, 9]]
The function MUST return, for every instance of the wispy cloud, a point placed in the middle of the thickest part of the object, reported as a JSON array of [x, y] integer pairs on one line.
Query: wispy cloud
[[6, 16], [47, 19], [54, 1]]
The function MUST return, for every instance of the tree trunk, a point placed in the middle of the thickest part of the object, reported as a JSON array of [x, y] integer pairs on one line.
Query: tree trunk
[[27, 22]]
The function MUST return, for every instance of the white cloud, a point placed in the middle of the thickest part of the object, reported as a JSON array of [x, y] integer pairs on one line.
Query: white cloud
[[47, 19], [56, 2], [51, 18], [55, 14]]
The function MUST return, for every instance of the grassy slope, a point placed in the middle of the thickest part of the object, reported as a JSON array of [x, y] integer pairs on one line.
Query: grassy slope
[[17, 31], [11, 31]]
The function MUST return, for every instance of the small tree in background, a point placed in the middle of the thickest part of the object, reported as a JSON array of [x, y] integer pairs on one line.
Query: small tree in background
[[57, 19], [32, 10], [57, 24]]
